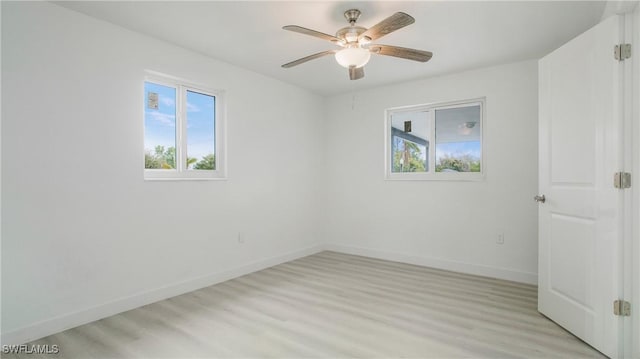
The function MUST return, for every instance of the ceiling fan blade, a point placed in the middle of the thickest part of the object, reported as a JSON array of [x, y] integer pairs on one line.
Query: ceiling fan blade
[[401, 52], [356, 73], [308, 58], [314, 33], [388, 25]]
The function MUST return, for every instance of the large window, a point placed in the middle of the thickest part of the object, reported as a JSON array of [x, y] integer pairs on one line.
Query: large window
[[439, 141], [183, 129]]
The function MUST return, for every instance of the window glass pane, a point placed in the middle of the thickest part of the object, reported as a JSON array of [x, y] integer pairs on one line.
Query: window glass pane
[[159, 126], [410, 142], [458, 139], [201, 131]]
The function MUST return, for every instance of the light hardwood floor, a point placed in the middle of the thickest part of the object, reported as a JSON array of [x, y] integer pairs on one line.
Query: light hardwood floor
[[332, 305]]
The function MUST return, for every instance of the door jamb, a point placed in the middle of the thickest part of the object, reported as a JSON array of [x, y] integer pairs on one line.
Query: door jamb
[[631, 328]]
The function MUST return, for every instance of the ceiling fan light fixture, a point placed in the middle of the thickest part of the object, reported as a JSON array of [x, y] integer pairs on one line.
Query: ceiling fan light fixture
[[353, 56]]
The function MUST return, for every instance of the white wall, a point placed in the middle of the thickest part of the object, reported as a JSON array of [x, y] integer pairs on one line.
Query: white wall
[[83, 235], [451, 225]]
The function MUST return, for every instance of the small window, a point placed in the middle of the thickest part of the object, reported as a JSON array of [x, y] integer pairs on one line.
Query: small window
[[441, 141], [182, 130]]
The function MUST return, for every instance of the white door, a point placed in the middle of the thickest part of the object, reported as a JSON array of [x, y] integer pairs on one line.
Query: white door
[[580, 223]]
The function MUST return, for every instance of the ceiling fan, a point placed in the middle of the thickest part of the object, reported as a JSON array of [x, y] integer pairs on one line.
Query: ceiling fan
[[356, 43]]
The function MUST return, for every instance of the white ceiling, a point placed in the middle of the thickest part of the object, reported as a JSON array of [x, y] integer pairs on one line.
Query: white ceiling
[[462, 35]]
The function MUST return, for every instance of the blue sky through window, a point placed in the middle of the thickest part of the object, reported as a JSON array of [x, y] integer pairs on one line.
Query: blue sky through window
[[458, 149], [160, 124], [200, 125]]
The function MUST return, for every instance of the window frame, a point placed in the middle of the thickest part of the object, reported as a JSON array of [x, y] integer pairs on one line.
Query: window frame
[[431, 174], [181, 172]]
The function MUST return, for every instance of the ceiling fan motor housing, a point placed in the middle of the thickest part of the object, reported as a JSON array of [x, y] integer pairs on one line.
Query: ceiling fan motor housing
[[350, 34]]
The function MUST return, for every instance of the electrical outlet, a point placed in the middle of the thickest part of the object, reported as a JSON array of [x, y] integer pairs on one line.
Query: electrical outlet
[[500, 239], [241, 237]]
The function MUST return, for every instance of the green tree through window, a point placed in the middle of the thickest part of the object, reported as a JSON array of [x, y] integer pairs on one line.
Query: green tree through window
[[163, 158], [408, 156]]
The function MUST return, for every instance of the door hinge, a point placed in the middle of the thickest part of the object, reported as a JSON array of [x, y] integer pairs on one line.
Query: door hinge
[[622, 52], [622, 308], [622, 180]]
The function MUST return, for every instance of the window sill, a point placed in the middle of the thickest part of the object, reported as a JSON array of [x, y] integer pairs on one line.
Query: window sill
[[173, 175], [451, 177], [165, 179]]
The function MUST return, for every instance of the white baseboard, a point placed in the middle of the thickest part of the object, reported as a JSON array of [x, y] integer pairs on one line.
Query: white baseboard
[[71, 320], [439, 263]]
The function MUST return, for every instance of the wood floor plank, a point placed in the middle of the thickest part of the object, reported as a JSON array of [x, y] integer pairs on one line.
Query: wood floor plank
[[332, 305]]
